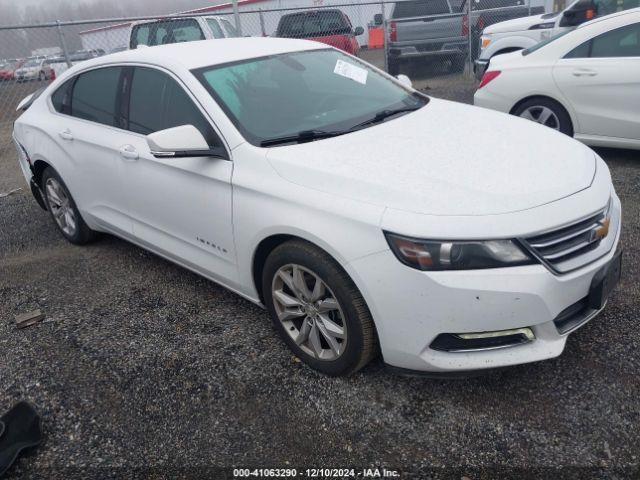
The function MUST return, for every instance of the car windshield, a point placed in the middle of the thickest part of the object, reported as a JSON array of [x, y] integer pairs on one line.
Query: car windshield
[[544, 43], [78, 56], [314, 91], [32, 63]]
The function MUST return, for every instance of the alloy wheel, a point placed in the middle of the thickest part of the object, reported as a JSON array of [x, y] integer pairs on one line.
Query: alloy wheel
[[543, 115], [61, 207], [309, 312]]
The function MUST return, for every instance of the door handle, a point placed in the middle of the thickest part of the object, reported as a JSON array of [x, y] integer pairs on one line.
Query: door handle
[[129, 152], [584, 73], [66, 135]]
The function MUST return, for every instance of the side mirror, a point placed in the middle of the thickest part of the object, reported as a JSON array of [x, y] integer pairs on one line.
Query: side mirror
[[378, 19], [181, 142], [358, 31], [404, 80], [579, 13]]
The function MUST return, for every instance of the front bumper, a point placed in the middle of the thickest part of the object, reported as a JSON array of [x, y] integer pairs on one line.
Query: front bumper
[[411, 308]]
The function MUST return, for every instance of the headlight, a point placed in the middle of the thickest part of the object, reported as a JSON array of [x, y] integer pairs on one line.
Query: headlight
[[457, 255], [484, 41]]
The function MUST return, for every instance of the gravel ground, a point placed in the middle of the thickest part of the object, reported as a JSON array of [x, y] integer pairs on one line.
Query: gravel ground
[[144, 369]]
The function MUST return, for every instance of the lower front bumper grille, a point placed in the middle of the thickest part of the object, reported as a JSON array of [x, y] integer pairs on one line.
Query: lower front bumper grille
[[574, 316], [475, 342]]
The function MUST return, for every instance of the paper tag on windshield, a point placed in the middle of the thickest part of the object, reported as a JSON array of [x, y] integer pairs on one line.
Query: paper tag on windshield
[[353, 72]]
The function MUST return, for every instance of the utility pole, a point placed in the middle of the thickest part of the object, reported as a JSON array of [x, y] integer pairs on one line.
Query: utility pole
[[236, 16]]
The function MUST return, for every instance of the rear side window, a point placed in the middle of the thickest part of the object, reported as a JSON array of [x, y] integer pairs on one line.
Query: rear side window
[[95, 95], [420, 8], [621, 42], [158, 102], [313, 24]]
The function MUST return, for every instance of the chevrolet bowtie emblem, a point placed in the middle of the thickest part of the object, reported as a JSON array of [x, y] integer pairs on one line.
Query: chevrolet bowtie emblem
[[602, 231]]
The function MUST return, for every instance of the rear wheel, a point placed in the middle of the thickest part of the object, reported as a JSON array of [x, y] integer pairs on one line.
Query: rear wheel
[[317, 309], [458, 64], [546, 112], [393, 67], [63, 209]]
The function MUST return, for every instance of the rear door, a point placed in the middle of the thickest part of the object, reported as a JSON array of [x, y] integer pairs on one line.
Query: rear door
[[601, 79], [88, 132]]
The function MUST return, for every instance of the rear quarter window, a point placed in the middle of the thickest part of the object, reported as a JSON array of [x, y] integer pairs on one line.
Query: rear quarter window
[[61, 98]]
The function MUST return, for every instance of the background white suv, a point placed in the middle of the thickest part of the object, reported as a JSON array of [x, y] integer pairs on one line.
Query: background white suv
[[178, 30]]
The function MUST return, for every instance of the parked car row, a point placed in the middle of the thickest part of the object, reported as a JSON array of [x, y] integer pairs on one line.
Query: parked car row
[[43, 67], [337, 197]]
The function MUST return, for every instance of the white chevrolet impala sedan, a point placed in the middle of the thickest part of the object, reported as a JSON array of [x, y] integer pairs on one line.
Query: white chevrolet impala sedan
[[366, 217]]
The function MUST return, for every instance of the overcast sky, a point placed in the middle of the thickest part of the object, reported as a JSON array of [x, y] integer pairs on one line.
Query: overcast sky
[[12, 11]]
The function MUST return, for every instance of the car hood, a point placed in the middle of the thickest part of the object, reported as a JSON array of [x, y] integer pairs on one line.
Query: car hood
[[515, 25], [445, 159]]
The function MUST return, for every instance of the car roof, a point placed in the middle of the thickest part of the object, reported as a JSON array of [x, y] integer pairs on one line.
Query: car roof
[[170, 19], [204, 53], [632, 11]]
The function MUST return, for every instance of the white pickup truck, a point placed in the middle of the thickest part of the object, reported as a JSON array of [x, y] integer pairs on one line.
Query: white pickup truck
[[520, 33]]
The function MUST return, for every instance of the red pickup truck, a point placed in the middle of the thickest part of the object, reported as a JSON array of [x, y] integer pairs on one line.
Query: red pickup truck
[[332, 27]]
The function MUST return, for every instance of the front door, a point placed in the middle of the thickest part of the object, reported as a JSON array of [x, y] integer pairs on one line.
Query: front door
[[180, 207]]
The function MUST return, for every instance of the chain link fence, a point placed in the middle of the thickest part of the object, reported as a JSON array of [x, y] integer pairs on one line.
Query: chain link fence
[[423, 39]]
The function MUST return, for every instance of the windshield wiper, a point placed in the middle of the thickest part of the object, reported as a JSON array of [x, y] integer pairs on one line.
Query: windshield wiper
[[311, 135], [383, 115], [301, 137]]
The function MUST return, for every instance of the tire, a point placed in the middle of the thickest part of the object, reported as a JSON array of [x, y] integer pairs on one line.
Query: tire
[[63, 210], [347, 315], [394, 67], [536, 108], [458, 64]]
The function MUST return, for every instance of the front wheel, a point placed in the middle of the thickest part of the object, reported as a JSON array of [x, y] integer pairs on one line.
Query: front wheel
[[546, 112], [317, 309]]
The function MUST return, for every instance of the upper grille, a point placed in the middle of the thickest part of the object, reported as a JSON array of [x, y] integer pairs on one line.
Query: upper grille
[[569, 247]]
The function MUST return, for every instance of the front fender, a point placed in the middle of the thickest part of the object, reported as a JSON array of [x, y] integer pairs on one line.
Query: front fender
[[505, 43]]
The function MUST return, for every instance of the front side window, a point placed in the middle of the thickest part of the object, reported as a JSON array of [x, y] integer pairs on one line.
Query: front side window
[[621, 42], [95, 95], [281, 95], [158, 102]]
